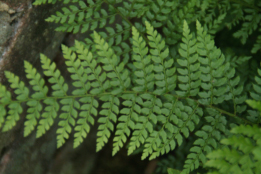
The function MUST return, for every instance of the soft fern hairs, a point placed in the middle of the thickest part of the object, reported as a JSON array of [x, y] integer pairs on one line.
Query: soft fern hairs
[[179, 78]]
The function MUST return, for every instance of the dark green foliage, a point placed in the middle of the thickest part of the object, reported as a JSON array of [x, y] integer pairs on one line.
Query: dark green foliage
[[151, 73]]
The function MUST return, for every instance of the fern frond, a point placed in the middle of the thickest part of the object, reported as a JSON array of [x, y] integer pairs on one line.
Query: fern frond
[[150, 111], [127, 120], [135, 8], [110, 109], [158, 12], [116, 72], [252, 22], [256, 94], [149, 86], [77, 72], [209, 137], [36, 81], [163, 67], [21, 90], [236, 61], [142, 63], [242, 154], [48, 116], [213, 68], [33, 114], [173, 28], [80, 19], [183, 116], [88, 110], [39, 2], [189, 73], [13, 116], [40, 91], [15, 108], [70, 107], [5, 98], [257, 45], [59, 86], [94, 71], [238, 14], [214, 26]]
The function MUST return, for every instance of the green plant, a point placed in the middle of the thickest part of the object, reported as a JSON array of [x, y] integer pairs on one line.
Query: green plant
[[242, 151], [153, 76]]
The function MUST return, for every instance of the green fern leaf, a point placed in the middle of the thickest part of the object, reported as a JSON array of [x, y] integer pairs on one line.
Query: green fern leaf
[[5, 97], [257, 45], [60, 88], [33, 114], [144, 68], [127, 120], [77, 72], [40, 91], [252, 20], [72, 18], [48, 116], [69, 115], [216, 24], [213, 79], [39, 2], [88, 110], [94, 71], [184, 117], [15, 108], [110, 109], [157, 12], [242, 154], [134, 8], [163, 67], [189, 73], [256, 94], [13, 116], [150, 110], [37, 83], [115, 72], [210, 136], [21, 91]]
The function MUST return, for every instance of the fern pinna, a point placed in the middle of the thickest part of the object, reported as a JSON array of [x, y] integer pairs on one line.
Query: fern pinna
[[157, 90]]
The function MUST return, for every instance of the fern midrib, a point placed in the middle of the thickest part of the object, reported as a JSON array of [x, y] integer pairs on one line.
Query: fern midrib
[[89, 21], [135, 93]]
